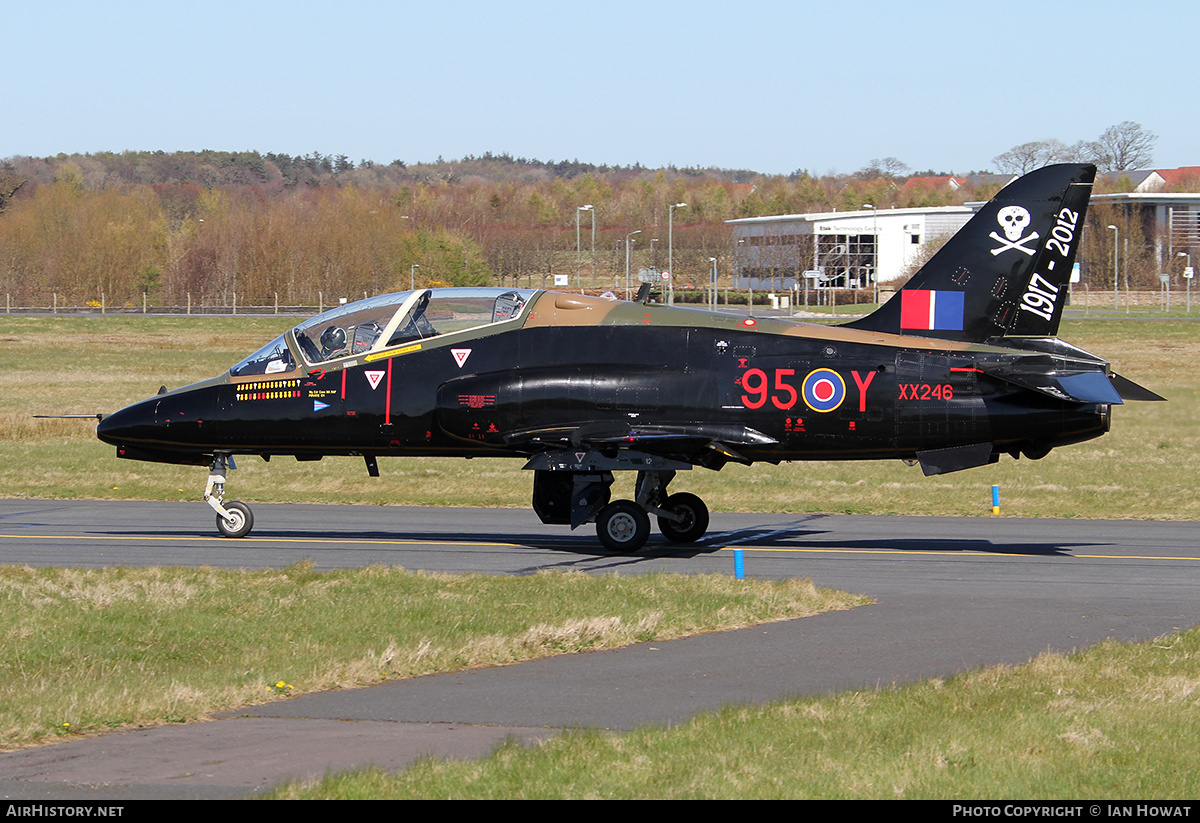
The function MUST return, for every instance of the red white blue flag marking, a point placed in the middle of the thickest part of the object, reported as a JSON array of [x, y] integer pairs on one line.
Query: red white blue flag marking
[[931, 310]]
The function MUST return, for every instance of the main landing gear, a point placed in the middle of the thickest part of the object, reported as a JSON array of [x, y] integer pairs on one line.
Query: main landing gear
[[624, 525], [234, 519], [577, 497]]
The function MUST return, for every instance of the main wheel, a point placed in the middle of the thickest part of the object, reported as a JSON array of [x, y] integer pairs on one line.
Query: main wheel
[[623, 526], [692, 522], [242, 523]]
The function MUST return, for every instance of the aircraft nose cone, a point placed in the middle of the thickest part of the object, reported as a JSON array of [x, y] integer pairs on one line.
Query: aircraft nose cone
[[129, 424]]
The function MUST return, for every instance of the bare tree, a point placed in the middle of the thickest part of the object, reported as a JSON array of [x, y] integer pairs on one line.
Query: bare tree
[[1125, 146], [1026, 157], [889, 167], [1121, 147]]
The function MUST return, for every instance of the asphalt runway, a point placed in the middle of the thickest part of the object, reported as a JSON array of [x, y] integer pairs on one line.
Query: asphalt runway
[[953, 594]]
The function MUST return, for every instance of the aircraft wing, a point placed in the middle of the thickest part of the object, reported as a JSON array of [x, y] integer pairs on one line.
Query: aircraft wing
[[680, 441]]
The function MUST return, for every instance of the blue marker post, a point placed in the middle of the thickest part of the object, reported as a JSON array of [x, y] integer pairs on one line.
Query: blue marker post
[[739, 565], [996, 500]]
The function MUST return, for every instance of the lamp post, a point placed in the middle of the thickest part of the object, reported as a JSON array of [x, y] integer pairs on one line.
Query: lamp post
[[631, 234], [578, 254], [713, 302], [875, 262], [671, 249], [1116, 239], [412, 276], [1187, 276]]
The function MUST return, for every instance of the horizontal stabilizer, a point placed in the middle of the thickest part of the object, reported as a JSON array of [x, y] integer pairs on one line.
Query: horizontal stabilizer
[[1077, 387], [1089, 387], [1132, 391]]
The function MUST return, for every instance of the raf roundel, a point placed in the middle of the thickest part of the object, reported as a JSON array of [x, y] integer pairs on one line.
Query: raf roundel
[[824, 390]]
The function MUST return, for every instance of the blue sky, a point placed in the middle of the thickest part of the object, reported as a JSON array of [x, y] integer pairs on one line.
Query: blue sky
[[771, 86]]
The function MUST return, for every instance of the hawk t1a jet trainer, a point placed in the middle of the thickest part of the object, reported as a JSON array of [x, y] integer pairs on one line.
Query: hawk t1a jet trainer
[[961, 366]]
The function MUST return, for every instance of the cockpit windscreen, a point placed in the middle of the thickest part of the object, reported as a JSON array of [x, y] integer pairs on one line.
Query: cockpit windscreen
[[385, 321]]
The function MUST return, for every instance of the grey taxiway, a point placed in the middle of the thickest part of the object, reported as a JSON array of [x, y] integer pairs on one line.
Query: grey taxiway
[[951, 594]]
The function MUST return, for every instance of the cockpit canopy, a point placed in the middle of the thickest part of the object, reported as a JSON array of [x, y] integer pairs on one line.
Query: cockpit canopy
[[383, 322]]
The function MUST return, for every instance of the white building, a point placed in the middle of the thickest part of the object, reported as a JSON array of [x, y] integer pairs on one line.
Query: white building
[[1170, 220], [848, 248]]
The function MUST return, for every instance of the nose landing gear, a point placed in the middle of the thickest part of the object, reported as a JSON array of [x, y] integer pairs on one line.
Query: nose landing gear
[[234, 519]]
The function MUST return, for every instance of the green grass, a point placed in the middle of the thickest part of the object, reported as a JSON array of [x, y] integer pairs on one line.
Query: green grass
[[96, 649], [1117, 721]]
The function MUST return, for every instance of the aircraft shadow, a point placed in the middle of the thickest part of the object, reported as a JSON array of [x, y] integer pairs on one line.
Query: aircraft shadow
[[584, 542], [774, 540], [581, 542]]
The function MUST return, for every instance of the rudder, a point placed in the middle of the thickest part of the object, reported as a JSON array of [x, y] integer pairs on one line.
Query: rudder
[[1005, 272]]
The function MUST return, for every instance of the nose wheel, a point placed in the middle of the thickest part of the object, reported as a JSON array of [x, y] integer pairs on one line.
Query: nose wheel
[[234, 519], [238, 523]]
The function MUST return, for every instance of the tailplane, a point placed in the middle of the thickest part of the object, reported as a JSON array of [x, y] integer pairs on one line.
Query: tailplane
[[1005, 272]]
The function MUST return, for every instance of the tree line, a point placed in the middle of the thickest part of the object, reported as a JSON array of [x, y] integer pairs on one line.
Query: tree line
[[257, 228]]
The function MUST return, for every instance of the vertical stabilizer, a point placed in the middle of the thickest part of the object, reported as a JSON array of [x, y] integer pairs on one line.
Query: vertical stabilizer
[[1005, 272]]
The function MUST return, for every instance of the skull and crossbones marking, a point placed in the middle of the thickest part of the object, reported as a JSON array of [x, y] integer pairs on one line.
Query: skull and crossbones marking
[[1013, 219]]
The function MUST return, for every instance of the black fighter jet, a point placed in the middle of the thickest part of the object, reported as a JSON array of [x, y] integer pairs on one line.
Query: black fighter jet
[[961, 366]]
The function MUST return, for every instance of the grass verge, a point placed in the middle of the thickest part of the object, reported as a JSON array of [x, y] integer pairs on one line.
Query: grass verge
[[1117, 721], [88, 650]]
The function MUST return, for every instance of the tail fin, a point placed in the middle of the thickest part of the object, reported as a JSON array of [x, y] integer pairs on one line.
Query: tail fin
[[1004, 272]]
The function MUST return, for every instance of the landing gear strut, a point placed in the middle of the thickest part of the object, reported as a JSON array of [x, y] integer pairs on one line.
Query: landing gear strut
[[573, 488], [234, 519]]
